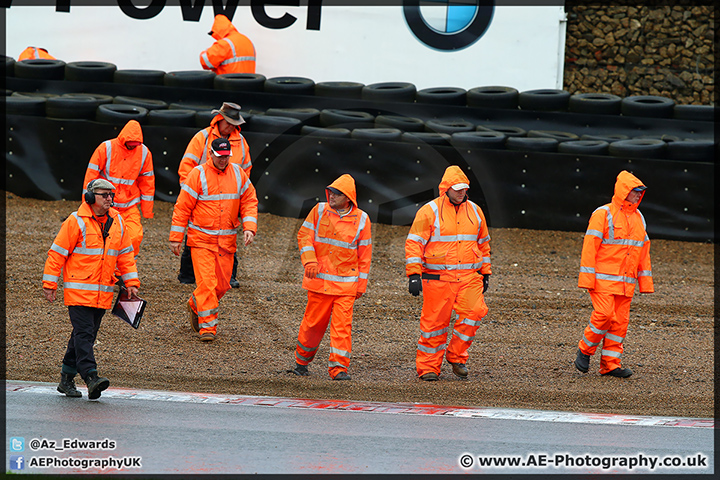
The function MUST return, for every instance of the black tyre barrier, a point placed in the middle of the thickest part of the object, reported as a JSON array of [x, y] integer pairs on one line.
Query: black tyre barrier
[[175, 117], [508, 130], [120, 113], [442, 96], [9, 66], [147, 103], [584, 147], [637, 148], [664, 138], [346, 118], [139, 77], [35, 94], [23, 105], [203, 117], [704, 113], [406, 124], [90, 71], [559, 136], [647, 106], [477, 139], [190, 79], [449, 126], [290, 85], [532, 144], [604, 138], [339, 89], [544, 99], [40, 69], [595, 103], [99, 98], [390, 92], [430, 138], [274, 124], [692, 150], [493, 97], [308, 116], [194, 106], [331, 132], [71, 107], [240, 82], [383, 134]]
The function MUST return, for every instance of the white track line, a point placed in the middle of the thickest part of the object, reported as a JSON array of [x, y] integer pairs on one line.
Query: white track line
[[377, 407]]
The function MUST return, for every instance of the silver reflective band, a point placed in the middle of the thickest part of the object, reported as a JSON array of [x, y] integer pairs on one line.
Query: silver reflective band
[[130, 276], [589, 343], [425, 349], [590, 270], [132, 202], [93, 287], [336, 364], [212, 232], [337, 278], [50, 278], [207, 313], [306, 348], [58, 249], [463, 337], [610, 353], [339, 352], [615, 278], [412, 260], [436, 333], [307, 249], [596, 330], [416, 238], [614, 338], [208, 324], [472, 323]]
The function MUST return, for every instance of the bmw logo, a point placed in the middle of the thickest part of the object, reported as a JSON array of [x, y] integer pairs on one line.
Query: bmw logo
[[448, 24]]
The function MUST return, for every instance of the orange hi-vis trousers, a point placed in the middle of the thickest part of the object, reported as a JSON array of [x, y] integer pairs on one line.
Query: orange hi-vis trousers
[[320, 308], [131, 220], [212, 277], [608, 324], [439, 300]]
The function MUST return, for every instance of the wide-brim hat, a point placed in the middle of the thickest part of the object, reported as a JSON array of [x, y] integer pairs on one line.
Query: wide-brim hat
[[231, 113]]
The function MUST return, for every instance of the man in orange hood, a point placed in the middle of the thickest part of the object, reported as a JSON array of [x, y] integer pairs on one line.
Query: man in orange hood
[[33, 53], [126, 163], [615, 257], [232, 52], [336, 250], [447, 257]]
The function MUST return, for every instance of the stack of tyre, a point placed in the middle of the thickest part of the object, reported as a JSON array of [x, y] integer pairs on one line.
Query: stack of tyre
[[360, 123]]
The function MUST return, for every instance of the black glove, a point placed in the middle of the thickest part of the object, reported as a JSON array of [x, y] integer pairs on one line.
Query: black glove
[[414, 285], [486, 282]]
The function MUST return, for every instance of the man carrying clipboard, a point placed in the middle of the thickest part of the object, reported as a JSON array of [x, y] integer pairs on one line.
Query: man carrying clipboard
[[92, 242]]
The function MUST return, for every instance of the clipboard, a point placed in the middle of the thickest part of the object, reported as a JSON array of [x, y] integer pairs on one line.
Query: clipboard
[[129, 309]]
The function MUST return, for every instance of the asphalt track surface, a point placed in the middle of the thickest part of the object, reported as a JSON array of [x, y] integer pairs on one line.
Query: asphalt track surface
[[157, 432]]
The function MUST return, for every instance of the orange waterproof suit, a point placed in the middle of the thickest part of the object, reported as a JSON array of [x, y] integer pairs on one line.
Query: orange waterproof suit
[[131, 172], [213, 204], [32, 53], [342, 248], [198, 150], [449, 246], [615, 257], [233, 52], [88, 261]]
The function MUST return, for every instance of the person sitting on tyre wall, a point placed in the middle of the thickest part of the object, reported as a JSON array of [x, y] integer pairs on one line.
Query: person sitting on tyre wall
[[232, 52], [33, 53], [91, 244], [615, 257], [225, 124]]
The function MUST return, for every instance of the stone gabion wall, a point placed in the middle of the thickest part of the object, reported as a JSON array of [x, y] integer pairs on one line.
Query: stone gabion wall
[[664, 50]]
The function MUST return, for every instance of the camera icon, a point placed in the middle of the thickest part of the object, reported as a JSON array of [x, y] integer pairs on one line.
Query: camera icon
[[17, 444]]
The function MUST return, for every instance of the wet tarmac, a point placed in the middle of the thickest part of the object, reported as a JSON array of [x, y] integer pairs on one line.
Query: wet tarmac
[[151, 432]]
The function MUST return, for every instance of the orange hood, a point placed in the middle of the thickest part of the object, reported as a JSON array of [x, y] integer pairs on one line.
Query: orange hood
[[222, 27], [452, 175], [625, 182], [346, 184], [131, 132]]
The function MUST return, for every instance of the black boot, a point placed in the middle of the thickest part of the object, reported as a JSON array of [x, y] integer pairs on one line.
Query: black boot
[[187, 274], [67, 385], [95, 384], [233, 278]]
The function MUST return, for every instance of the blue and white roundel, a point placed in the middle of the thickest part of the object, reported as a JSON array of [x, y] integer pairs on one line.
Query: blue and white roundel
[[448, 24]]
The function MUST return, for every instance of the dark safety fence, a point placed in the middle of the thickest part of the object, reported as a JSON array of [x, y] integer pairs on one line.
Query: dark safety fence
[[540, 168]]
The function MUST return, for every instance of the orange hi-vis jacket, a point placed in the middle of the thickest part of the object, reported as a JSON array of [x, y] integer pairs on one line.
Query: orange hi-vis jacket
[[616, 248], [233, 52], [131, 171], [32, 53], [198, 150], [210, 204], [342, 245], [88, 261], [448, 243]]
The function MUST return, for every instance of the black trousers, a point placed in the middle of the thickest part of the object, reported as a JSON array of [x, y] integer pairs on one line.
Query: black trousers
[[186, 267], [79, 355]]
